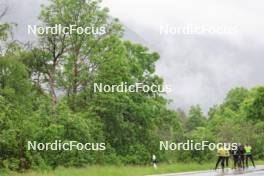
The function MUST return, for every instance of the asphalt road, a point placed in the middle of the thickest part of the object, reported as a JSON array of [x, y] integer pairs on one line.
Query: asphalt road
[[258, 171]]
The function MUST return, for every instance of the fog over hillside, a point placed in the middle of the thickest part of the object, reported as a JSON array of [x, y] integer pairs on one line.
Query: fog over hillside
[[200, 68]]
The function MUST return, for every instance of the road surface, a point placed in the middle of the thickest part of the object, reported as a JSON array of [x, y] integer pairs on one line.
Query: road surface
[[258, 171]]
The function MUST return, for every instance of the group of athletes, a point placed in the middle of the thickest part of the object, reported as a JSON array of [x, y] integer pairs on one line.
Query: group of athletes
[[241, 155]]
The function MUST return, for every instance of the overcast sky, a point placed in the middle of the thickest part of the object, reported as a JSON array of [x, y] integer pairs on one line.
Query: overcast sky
[[200, 68]]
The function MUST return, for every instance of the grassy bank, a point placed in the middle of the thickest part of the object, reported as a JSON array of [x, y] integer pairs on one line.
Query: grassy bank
[[122, 170]]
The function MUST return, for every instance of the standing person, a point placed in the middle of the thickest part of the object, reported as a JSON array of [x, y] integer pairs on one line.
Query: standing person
[[234, 152], [221, 158], [154, 161], [241, 156], [227, 155], [248, 153]]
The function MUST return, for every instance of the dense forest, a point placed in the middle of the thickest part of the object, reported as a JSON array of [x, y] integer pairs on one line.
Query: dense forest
[[46, 94]]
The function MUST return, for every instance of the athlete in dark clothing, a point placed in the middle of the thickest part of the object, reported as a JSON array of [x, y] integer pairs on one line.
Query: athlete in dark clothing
[[241, 158], [235, 157], [227, 155]]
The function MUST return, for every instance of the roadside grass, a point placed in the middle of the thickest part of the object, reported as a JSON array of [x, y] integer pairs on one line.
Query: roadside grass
[[121, 170]]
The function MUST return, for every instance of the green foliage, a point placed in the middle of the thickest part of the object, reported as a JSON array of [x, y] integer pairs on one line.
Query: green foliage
[[239, 119], [46, 94], [254, 106], [4, 31], [195, 118], [131, 124], [235, 98]]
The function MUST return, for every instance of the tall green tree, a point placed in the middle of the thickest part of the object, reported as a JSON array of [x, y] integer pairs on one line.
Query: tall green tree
[[254, 106], [195, 118], [69, 61]]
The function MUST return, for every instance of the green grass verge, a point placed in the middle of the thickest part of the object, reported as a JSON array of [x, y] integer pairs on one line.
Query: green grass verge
[[122, 170]]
